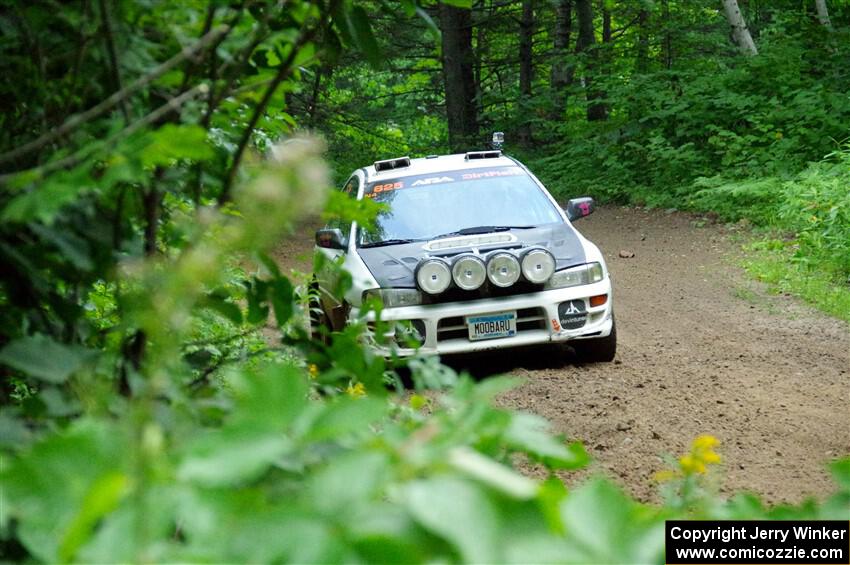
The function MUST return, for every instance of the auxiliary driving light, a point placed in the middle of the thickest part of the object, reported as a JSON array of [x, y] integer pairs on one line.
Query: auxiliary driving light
[[469, 272], [433, 275], [538, 265], [503, 269]]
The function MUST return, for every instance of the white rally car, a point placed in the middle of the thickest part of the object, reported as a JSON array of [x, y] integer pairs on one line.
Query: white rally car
[[472, 253]]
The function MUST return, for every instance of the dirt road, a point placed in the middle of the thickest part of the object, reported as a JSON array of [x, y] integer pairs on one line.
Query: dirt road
[[702, 349]]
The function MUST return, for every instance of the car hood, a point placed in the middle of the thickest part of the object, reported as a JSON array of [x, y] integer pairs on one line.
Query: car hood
[[394, 265]]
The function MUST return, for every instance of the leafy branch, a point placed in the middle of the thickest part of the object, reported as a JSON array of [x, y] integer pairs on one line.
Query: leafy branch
[[82, 118]]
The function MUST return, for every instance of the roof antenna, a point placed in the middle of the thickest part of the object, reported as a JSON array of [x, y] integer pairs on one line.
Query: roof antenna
[[498, 139]]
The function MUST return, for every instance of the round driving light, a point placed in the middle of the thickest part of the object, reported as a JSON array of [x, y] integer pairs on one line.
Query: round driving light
[[469, 272], [433, 275], [502, 269], [538, 265]]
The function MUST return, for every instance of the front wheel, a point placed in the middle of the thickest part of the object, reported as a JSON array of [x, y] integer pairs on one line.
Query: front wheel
[[320, 326], [598, 350]]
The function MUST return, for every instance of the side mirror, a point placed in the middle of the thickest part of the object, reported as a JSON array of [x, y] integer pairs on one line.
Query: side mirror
[[579, 208], [330, 239]]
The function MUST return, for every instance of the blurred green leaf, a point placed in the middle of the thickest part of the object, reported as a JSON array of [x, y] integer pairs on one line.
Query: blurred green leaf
[[606, 526], [491, 473], [460, 512], [282, 292], [364, 38], [342, 486], [102, 498], [173, 142], [44, 201], [55, 490], [346, 416], [223, 306], [841, 473], [43, 358], [232, 456], [529, 433]]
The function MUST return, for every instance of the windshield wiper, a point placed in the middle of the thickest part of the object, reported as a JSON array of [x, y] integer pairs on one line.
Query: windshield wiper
[[389, 242], [481, 229]]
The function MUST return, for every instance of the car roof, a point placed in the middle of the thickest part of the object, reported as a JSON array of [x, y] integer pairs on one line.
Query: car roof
[[438, 164]]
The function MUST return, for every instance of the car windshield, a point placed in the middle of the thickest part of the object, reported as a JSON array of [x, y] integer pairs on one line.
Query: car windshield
[[424, 207]]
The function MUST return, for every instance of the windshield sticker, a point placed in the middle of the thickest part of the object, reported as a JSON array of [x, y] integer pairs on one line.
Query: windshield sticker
[[432, 180], [376, 189], [507, 172], [385, 187]]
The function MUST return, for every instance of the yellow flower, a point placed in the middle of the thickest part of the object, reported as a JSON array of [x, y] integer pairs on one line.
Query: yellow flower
[[356, 390], [702, 454], [417, 401], [665, 475], [313, 369], [691, 465], [705, 441]]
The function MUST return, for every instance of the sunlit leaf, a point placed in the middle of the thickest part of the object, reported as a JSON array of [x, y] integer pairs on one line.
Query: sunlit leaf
[[173, 142]]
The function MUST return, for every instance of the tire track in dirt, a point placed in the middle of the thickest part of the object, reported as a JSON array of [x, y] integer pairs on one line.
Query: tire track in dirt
[[702, 349]]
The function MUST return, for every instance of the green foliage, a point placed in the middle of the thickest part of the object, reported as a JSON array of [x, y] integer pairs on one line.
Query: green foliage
[[809, 217]]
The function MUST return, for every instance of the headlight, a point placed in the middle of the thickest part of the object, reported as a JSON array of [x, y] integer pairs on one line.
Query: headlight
[[469, 272], [433, 275], [394, 297], [584, 274], [502, 269], [538, 265]]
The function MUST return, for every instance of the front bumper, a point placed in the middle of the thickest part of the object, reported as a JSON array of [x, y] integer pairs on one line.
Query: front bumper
[[537, 320]]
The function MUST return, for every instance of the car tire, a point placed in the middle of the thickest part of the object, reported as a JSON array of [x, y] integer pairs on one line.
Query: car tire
[[598, 350], [320, 326]]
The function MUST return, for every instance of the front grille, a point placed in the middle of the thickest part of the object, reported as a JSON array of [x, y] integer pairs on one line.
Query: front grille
[[487, 290], [455, 327]]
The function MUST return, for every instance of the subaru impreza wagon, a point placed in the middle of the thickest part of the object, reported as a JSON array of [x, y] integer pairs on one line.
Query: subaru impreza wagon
[[472, 253]]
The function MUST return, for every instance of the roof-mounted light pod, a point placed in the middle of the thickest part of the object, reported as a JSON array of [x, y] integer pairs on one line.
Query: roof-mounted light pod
[[473, 155], [391, 164]]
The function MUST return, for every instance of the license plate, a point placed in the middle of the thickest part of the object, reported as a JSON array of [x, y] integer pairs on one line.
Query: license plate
[[490, 326]]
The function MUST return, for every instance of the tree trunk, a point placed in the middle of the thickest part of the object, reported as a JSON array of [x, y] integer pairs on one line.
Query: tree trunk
[[642, 58], [313, 104], [587, 44], [740, 33], [606, 53], [562, 71], [456, 27], [606, 24], [113, 56], [667, 45], [526, 69], [480, 54], [823, 14]]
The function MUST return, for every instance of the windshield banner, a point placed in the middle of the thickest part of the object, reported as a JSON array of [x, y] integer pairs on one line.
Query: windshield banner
[[376, 189]]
